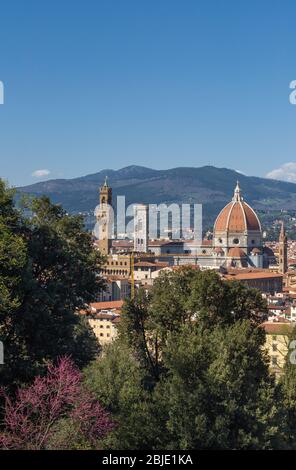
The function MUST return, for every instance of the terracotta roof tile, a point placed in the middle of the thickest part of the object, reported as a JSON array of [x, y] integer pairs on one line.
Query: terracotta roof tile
[[237, 216], [283, 327], [107, 305], [236, 252]]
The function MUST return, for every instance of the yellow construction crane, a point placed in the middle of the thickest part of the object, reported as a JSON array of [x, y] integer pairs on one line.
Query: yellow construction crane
[[132, 275]]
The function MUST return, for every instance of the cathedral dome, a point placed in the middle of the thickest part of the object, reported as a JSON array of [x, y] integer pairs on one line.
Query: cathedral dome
[[237, 216]]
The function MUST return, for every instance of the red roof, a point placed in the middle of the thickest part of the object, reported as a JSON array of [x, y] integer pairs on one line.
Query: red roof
[[276, 307], [116, 320], [254, 275], [164, 242], [283, 327], [109, 305], [151, 264], [122, 243], [236, 252], [182, 266]]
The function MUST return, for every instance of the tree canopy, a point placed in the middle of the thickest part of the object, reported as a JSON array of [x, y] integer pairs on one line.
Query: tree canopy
[[188, 370], [48, 271], [185, 297]]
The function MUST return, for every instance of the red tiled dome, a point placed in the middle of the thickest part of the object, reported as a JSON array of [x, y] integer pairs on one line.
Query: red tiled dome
[[237, 216]]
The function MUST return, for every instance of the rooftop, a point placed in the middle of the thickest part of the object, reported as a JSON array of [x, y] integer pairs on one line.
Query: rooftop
[[278, 328], [109, 305]]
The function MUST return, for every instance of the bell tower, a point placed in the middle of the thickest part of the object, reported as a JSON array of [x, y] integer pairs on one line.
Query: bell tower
[[283, 251], [104, 216]]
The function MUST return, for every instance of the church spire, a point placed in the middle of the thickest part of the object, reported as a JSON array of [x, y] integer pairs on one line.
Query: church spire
[[237, 197]]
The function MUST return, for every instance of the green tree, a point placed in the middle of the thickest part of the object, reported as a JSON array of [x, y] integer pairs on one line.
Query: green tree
[[216, 301], [217, 392], [214, 392], [137, 330], [183, 297], [188, 370], [124, 389], [48, 271], [287, 385]]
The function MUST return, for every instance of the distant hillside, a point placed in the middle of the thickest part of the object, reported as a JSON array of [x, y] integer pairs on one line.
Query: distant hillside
[[213, 187]]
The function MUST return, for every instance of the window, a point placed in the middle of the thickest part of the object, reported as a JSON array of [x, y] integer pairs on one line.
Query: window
[[236, 241], [274, 337], [274, 347], [274, 360], [101, 334], [220, 240]]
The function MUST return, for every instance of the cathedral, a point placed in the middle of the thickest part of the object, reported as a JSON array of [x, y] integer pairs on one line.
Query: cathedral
[[237, 238]]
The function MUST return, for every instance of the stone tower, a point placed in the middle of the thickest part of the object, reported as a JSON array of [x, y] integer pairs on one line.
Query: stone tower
[[283, 251], [104, 216], [141, 224]]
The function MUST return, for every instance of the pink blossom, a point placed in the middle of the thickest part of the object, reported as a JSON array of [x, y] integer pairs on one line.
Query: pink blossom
[[29, 419]]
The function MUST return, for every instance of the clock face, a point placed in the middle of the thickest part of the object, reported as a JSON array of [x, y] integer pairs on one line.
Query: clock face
[[292, 280]]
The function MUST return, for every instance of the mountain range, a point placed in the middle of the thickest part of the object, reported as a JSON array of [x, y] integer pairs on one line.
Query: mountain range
[[213, 187]]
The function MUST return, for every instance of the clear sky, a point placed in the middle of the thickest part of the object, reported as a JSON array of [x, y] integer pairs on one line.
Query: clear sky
[[99, 84]]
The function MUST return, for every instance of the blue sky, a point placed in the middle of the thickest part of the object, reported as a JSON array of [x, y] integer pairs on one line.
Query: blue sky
[[160, 83]]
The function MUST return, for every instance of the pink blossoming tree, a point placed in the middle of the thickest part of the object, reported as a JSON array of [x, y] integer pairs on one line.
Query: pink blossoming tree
[[31, 419]]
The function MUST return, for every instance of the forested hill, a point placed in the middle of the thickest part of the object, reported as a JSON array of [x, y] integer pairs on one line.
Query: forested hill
[[211, 186]]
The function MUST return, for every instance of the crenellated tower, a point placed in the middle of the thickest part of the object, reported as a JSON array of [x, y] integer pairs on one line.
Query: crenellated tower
[[104, 215]]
